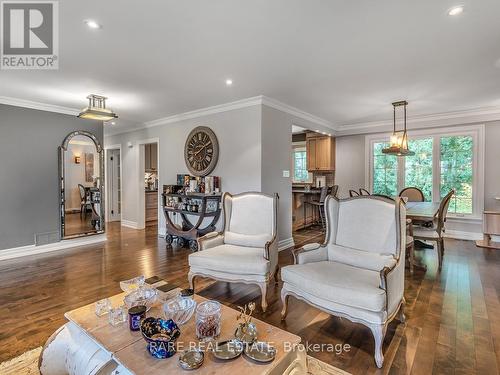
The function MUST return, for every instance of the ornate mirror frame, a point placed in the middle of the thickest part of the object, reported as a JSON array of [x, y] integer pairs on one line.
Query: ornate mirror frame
[[62, 200]]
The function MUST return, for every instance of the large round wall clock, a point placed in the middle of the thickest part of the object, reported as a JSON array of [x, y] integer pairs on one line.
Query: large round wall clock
[[201, 151]]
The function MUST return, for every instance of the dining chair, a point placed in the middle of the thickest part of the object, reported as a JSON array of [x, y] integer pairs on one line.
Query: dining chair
[[320, 205], [364, 192], [84, 201], [436, 232], [353, 193], [335, 191], [410, 244], [413, 194]]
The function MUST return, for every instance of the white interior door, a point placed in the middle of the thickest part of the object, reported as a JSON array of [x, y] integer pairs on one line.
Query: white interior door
[[114, 185]]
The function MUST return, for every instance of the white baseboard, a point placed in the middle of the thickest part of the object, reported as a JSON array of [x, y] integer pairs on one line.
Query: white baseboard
[[30, 250], [286, 244], [130, 224], [162, 232], [462, 235]]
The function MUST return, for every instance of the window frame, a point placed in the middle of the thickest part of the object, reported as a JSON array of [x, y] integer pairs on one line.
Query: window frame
[[474, 131], [300, 146]]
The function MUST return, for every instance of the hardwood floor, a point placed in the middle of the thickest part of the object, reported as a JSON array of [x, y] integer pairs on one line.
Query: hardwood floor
[[77, 224], [453, 317]]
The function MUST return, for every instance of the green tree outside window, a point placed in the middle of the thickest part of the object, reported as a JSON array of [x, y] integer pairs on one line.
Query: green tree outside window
[[456, 172], [418, 168], [385, 171]]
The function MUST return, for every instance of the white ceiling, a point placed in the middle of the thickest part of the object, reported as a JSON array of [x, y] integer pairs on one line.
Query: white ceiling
[[344, 61]]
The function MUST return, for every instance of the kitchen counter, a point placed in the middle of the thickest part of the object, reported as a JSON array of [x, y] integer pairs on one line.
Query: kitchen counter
[[302, 191]]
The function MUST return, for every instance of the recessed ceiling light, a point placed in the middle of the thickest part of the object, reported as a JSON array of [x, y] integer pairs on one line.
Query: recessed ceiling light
[[456, 10], [229, 82], [113, 123], [92, 24]]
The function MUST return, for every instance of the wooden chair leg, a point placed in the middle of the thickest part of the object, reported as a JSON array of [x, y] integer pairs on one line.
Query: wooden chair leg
[[284, 301], [321, 217], [276, 274], [263, 290], [411, 249], [191, 278], [378, 331], [440, 253]]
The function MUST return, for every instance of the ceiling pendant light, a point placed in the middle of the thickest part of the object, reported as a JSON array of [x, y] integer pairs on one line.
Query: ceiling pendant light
[[97, 109], [398, 144]]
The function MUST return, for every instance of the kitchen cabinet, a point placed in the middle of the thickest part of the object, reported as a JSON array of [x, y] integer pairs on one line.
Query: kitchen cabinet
[[151, 205], [151, 157], [320, 153]]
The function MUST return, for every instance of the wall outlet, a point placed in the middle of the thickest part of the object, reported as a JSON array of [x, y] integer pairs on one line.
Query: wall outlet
[[286, 173]]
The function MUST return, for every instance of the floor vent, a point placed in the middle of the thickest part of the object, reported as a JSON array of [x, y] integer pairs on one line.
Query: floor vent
[[46, 238]]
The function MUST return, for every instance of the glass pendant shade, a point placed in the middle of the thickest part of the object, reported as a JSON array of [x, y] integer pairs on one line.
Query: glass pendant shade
[[97, 109], [398, 143]]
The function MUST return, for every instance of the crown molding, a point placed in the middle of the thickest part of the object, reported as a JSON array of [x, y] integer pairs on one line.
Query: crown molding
[[478, 115], [249, 102], [39, 106], [244, 103], [273, 103]]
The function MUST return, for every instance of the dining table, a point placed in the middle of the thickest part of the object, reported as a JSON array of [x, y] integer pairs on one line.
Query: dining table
[[422, 212]]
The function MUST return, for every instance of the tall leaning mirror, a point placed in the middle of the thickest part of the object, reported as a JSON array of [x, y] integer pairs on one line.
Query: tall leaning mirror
[[81, 186]]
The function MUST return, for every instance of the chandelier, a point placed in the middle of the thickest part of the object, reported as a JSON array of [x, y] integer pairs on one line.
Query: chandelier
[[398, 144], [97, 109]]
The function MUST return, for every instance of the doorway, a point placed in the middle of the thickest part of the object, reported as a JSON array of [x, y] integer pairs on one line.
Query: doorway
[[148, 200], [113, 178]]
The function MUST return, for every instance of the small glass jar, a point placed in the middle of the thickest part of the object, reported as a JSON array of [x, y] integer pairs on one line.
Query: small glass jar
[[117, 315], [135, 314], [208, 320], [102, 307]]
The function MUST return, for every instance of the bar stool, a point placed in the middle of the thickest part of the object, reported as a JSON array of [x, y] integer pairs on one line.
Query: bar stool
[[320, 205]]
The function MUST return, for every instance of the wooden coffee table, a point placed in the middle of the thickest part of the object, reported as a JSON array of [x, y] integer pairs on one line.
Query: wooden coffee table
[[88, 342]]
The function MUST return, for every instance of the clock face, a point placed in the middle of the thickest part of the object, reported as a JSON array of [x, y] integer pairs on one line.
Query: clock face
[[201, 151]]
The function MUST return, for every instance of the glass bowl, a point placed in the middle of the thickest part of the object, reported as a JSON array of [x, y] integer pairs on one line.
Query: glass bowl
[[145, 295], [179, 309], [128, 286], [161, 336]]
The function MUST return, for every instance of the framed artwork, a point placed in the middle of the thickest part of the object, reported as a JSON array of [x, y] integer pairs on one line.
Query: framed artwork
[[89, 167]]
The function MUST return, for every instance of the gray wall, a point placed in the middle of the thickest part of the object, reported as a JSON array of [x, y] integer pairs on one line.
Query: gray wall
[[277, 157], [349, 163], [29, 171], [239, 166], [492, 166]]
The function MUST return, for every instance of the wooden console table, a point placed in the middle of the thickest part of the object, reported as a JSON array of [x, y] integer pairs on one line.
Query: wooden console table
[[88, 344]]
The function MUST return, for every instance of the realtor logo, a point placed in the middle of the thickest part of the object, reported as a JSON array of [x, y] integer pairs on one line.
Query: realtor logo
[[29, 34]]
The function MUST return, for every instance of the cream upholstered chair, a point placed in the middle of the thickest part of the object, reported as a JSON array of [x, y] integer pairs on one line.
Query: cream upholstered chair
[[247, 248], [358, 273]]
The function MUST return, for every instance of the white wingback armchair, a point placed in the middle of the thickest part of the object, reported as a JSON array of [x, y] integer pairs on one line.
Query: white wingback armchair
[[358, 273], [247, 248]]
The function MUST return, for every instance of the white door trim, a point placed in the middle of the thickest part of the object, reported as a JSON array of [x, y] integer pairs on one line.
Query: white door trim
[[106, 180], [141, 201]]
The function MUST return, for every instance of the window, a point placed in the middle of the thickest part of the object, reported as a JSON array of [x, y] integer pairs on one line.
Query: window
[[385, 171], [456, 172], [446, 159], [300, 172], [418, 168]]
